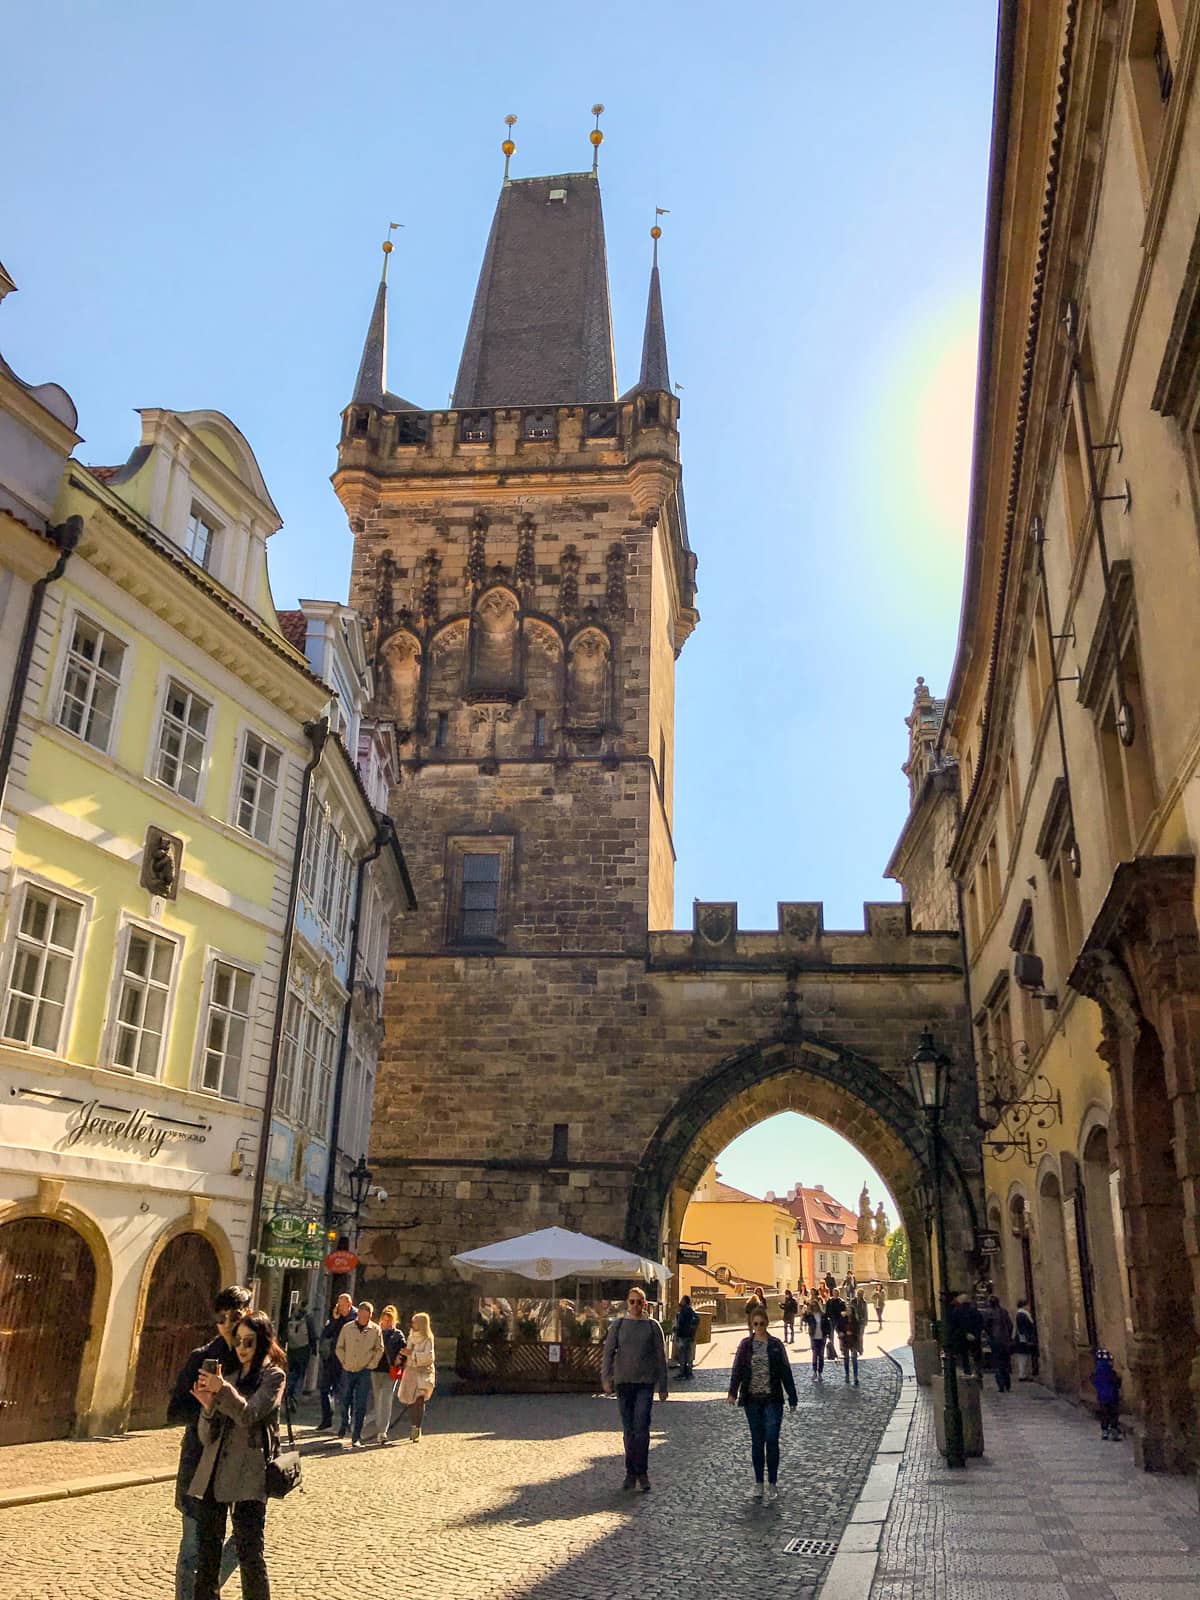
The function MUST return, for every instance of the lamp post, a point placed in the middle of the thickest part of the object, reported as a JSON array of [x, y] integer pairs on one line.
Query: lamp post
[[930, 1078], [359, 1179]]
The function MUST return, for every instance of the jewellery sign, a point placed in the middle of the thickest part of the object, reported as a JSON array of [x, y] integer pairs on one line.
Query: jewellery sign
[[146, 1131]]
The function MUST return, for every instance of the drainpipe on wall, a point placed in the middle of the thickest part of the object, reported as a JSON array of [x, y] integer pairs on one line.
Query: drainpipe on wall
[[66, 536], [316, 733], [383, 833]]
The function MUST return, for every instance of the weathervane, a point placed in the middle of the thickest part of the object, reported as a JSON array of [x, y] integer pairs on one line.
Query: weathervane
[[388, 246], [508, 146], [596, 137]]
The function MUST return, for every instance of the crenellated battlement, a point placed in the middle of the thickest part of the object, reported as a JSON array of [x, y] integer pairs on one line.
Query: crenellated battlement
[[801, 940]]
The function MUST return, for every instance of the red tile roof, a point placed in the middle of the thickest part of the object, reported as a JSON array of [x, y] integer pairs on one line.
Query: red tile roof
[[825, 1221], [105, 474], [293, 625]]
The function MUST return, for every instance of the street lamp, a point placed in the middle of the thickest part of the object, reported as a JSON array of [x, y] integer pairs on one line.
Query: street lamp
[[359, 1179], [929, 1073]]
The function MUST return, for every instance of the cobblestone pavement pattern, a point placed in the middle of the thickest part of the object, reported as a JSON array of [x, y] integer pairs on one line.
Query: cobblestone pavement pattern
[[513, 1498], [1051, 1512]]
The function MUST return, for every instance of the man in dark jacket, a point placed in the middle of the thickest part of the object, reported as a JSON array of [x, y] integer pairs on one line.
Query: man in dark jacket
[[687, 1320], [999, 1329], [228, 1308], [964, 1337], [331, 1387]]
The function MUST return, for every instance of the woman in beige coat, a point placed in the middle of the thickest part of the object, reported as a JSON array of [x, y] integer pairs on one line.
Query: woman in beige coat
[[238, 1426], [419, 1376]]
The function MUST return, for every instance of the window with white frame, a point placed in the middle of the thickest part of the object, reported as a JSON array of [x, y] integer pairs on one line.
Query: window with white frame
[[39, 979], [341, 914], [226, 1029], [319, 1118], [182, 736], [289, 1054], [314, 831], [91, 682], [258, 785], [144, 990], [198, 538], [310, 1050]]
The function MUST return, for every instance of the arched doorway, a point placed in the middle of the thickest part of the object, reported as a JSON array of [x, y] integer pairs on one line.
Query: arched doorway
[[846, 1092], [1056, 1335], [998, 1265], [1108, 1296], [47, 1286], [179, 1316]]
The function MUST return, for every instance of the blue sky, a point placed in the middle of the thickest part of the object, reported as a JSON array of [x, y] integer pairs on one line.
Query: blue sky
[[194, 219]]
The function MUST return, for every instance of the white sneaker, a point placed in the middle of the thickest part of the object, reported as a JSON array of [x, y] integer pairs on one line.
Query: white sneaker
[[771, 1494], [757, 1492]]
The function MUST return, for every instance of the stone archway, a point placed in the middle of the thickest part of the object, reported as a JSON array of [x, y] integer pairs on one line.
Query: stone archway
[[1056, 1334], [852, 1096]]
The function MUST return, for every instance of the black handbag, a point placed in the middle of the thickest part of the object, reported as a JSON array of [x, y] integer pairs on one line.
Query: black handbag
[[284, 1467]]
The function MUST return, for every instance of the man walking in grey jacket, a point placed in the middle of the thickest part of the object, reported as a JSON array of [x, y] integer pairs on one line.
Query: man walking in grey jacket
[[635, 1363]]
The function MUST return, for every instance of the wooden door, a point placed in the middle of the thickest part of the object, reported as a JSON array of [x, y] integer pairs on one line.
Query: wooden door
[[47, 1282], [179, 1316]]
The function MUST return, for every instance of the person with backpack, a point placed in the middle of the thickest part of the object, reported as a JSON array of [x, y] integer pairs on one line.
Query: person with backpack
[[1106, 1381], [634, 1363], [816, 1325], [835, 1310], [879, 1300], [1025, 1340], [301, 1340], [790, 1306], [687, 1320]]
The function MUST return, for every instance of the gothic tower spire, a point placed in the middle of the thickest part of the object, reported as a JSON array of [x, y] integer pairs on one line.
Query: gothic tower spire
[[370, 387], [655, 373]]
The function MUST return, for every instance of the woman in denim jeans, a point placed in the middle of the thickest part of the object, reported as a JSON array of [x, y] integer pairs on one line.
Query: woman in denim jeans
[[761, 1374]]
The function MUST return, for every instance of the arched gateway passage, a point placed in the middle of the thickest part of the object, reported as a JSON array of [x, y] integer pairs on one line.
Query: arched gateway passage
[[589, 1091], [808, 1074]]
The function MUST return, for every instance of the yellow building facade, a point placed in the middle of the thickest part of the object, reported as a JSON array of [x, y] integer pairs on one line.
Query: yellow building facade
[[1059, 775], [147, 839], [748, 1241]]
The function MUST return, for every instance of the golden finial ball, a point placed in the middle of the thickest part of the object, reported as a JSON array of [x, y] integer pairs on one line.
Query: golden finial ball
[[656, 232], [510, 118], [597, 109], [596, 137], [388, 247], [508, 147]]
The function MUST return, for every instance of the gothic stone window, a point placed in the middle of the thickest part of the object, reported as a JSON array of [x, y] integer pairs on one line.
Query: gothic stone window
[[478, 881]]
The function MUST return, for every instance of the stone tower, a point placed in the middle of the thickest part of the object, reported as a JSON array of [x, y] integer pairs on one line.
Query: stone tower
[[524, 559], [554, 1053]]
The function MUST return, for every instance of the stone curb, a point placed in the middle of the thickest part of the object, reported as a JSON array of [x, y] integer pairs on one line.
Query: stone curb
[[852, 1570], [36, 1493]]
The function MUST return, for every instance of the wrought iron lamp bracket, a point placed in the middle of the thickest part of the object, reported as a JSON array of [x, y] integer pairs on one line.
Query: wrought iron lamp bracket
[[1019, 1111]]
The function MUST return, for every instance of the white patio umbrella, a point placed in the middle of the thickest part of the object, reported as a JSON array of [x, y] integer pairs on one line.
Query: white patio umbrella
[[554, 1253]]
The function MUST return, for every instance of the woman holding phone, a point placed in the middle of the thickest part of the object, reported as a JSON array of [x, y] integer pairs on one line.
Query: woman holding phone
[[238, 1426]]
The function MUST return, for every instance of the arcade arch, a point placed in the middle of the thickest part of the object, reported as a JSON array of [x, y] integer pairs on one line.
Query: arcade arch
[[847, 1093]]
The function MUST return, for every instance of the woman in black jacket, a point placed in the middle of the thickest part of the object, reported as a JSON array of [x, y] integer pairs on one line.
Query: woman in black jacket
[[760, 1376], [816, 1325]]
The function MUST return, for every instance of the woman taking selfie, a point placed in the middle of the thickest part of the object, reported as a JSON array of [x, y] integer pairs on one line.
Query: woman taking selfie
[[238, 1426]]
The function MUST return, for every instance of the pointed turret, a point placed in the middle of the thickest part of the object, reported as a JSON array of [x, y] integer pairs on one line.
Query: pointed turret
[[655, 373], [370, 387]]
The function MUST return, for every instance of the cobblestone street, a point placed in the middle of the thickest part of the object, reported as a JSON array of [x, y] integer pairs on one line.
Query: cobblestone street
[[510, 1496]]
